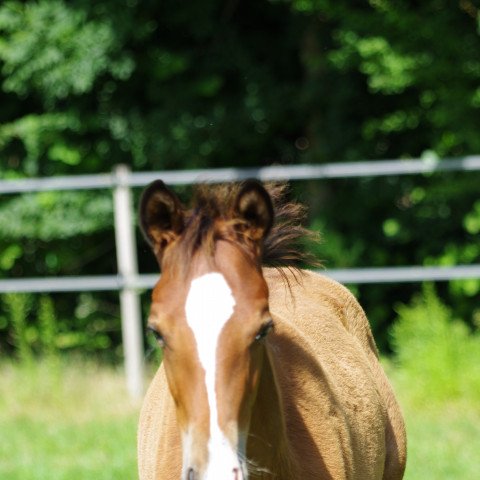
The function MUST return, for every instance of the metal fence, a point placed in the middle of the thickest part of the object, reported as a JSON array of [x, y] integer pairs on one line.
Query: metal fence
[[129, 282]]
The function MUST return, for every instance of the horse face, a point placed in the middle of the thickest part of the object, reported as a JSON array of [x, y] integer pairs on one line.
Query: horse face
[[212, 329], [211, 317]]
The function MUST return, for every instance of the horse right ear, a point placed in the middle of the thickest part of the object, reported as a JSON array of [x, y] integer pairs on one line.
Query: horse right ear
[[161, 217], [254, 206]]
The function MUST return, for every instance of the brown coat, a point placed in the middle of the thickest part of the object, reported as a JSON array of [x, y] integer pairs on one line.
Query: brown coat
[[324, 409]]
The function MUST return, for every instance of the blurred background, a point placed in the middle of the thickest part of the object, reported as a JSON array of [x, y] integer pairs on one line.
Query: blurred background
[[88, 85]]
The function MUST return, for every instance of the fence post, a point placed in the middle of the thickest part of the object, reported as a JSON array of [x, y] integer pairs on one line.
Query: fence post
[[132, 337]]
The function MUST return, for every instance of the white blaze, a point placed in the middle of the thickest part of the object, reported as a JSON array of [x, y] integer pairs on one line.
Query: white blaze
[[208, 308]]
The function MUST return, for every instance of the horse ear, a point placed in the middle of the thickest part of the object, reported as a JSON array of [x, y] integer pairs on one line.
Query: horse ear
[[161, 216], [254, 206]]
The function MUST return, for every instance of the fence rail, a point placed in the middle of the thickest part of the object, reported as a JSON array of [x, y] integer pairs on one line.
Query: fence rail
[[282, 172], [128, 282], [410, 274]]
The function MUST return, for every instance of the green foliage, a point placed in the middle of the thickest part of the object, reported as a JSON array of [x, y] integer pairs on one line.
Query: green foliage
[[51, 215], [388, 71], [18, 307], [30, 337], [335, 248], [437, 381], [356, 81], [9, 256], [39, 134], [436, 353], [160, 85], [47, 323], [471, 221], [443, 434], [54, 50], [34, 329]]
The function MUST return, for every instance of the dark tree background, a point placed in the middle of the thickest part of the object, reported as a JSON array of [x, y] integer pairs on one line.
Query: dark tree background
[[86, 85]]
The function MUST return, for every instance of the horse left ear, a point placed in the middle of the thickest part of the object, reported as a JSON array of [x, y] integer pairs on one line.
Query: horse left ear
[[161, 217], [254, 206]]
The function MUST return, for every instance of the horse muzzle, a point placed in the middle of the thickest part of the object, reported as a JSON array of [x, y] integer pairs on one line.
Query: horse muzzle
[[236, 473]]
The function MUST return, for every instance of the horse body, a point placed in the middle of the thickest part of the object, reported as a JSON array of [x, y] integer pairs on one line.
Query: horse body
[[324, 405], [307, 401], [341, 418]]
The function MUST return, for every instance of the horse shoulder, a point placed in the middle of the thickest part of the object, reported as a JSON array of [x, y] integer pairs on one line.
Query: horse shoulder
[[326, 313]]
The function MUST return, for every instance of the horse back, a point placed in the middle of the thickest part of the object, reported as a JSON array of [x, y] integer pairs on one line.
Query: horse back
[[335, 334]]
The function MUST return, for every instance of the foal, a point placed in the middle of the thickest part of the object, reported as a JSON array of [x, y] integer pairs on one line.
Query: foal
[[267, 373]]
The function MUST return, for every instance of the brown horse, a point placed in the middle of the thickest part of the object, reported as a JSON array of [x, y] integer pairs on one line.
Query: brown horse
[[267, 373]]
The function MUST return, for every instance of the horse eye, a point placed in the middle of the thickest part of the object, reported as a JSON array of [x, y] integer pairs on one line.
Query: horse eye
[[157, 335], [265, 328]]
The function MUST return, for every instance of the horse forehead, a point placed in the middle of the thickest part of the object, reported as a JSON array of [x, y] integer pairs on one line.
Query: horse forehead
[[209, 298], [210, 283]]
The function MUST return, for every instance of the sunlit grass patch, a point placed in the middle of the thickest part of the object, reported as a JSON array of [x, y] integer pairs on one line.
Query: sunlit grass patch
[[63, 420], [74, 420], [443, 436], [436, 374], [443, 444]]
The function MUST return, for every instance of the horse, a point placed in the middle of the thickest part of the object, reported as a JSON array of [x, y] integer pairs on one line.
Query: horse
[[269, 371]]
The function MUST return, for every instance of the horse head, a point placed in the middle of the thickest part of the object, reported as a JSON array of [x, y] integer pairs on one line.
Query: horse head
[[210, 315]]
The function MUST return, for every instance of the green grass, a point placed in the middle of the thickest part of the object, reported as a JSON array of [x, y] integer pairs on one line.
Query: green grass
[[66, 421], [443, 437], [437, 379], [75, 421]]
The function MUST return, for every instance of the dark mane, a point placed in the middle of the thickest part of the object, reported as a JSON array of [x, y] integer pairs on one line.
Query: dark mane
[[284, 245]]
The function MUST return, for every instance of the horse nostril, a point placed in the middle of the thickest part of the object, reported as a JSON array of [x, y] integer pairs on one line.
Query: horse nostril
[[191, 474], [235, 474]]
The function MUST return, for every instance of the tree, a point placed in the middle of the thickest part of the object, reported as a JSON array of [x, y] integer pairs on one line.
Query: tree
[[207, 83]]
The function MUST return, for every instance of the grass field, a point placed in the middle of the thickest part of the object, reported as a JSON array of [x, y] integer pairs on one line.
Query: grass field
[[444, 444], [75, 421], [443, 436], [66, 422]]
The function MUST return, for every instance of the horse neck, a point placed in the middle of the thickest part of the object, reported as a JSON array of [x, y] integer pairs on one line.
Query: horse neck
[[268, 446]]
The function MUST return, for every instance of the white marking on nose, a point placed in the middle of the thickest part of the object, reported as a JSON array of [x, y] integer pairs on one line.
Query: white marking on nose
[[208, 308]]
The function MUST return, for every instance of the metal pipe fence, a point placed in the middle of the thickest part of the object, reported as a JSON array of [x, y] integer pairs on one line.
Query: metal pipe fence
[[98, 283], [281, 172], [129, 282]]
